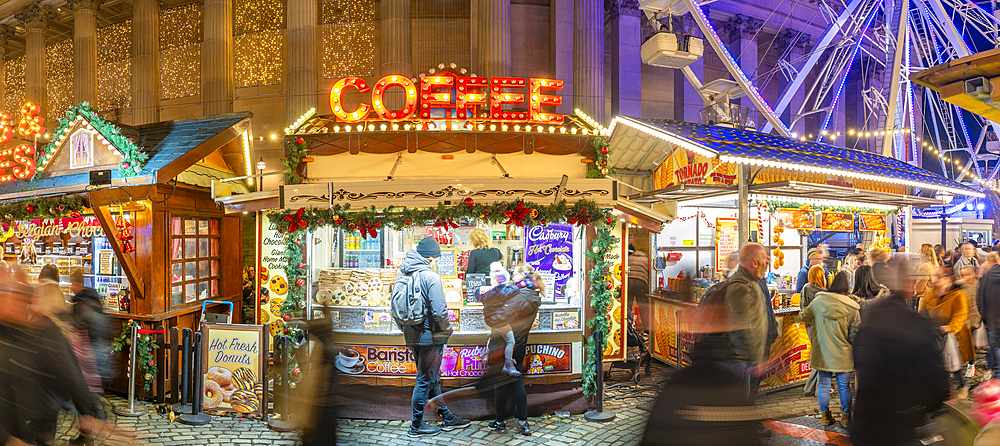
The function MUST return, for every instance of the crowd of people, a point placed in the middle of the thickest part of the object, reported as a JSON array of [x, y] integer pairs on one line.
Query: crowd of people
[[900, 329], [53, 357]]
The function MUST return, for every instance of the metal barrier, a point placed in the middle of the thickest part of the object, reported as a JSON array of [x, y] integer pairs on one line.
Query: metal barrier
[[282, 403], [196, 417]]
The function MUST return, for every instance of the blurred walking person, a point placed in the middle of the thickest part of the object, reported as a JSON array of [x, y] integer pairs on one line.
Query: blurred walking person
[[88, 316], [988, 303], [949, 310], [901, 377], [638, 285], [833, 318]]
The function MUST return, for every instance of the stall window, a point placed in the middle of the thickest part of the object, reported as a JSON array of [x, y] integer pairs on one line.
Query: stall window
[[194, 259], [83, 150]]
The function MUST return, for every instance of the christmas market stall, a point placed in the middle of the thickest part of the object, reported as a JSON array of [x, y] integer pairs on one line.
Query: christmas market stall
[[364, 184], [726, 186], [131, 207]]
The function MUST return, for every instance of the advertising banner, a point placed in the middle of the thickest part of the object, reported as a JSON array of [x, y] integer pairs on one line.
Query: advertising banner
[[874, 222], [85, 227], [789, 359], [549, 248], [457, 361], [686, 167], [836, 221], [795, 219], [685, 338], [272, 283], [234, 367], [616, 347]]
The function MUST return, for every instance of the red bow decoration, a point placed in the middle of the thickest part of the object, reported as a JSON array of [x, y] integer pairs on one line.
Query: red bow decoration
[[296, 221], [125, 234], [581, 219], [517, 215], [369, 229], [445, 223]]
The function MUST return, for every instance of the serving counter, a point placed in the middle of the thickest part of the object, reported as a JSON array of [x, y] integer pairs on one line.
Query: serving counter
[[672, 341]]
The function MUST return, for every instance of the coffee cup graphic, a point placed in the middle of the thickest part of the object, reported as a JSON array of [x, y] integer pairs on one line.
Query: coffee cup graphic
[[349, 357]]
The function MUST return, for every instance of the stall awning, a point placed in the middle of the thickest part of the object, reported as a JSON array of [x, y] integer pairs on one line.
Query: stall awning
[[641, 215], [640, 144], [694, 195]]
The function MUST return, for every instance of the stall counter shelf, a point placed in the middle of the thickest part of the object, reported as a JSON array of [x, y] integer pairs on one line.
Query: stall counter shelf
[[672, 341]]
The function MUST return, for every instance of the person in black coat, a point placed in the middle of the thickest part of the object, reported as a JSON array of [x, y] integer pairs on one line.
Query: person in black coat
[[901, 378], [988, 301], [484, 254], [88, 312]]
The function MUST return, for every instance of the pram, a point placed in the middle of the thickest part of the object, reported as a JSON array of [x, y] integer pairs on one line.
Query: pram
[[633, 363]]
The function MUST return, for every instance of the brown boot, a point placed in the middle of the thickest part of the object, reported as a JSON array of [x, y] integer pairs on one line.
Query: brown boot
[[845, 419], [828, 418]]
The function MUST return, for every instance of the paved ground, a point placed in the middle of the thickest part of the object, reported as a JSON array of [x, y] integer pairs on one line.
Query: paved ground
[[794, 421]]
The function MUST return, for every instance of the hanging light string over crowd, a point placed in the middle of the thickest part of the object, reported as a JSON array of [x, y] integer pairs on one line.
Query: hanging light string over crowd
[[945, 160]]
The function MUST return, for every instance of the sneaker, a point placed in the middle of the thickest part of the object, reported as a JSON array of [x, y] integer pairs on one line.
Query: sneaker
[[828, 418], [845, 419], [970, 371], [423, 430], [454, 423], [510, 369], [499, 427], [963, 393], [988, 375], [523, 428]]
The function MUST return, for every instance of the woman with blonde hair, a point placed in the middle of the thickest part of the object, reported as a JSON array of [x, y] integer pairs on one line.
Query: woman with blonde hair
[[929, 262], [484, 253], [817, 283]]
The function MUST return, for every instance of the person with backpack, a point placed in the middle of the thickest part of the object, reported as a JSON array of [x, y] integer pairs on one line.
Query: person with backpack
[[419, 308]]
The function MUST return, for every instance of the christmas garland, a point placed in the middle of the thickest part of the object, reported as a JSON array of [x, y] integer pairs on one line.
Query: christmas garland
[[297, 150], [44, 207], [132, 158], [143, 351], [600, 168], [602, 293], [774, 204]]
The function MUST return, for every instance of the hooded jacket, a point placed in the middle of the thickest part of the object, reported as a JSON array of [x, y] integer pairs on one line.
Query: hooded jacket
[[509, 304], [834, 319], [436, 328]]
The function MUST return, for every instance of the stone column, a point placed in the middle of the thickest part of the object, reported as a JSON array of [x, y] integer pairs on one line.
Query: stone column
[[561, 49], [395, 46], [217, 87], [302, 59], [85, 50], [493, 38], [588, 58], [623, 19], [35, 19], [794, 45], [742, 31], [6, 33], [145, 61]]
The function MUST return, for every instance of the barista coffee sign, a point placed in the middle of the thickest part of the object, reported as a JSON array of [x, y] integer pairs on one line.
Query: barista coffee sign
[[456, 361]]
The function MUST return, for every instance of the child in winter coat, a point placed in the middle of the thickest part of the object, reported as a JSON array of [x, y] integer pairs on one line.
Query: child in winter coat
[[493, 302]]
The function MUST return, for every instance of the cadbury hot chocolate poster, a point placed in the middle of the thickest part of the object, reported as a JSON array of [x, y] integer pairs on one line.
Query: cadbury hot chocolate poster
[[549, 248]]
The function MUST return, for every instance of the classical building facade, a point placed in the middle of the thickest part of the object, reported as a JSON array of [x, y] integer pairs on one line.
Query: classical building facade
[[143, 61]]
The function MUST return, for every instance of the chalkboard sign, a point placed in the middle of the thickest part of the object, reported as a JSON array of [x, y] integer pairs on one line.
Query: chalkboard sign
[[447, 266], [472, 284]]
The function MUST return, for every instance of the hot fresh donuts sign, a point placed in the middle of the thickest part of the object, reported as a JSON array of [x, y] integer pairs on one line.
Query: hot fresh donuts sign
[[234, 367]]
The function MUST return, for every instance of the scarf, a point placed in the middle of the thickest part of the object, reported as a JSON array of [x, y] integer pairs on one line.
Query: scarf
[[526, 283]]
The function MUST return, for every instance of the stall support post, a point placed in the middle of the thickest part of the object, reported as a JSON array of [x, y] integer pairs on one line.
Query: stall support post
[[183, 407], [599, 415], [282, 405], [944, 228], [196, 417], [129, 410], [744, 204]]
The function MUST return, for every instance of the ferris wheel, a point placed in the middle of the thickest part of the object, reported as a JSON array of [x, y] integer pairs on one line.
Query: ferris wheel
[[900, 37]]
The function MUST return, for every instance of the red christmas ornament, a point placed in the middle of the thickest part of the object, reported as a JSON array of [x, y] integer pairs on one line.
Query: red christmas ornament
[[609, 286], [286, 317], [604, 150], [300, 282], [125, 165], [75, 214], [609, 220], [299, 140], [150, 364], [300, 266], [543, 222], [297, 371], [468, 201], [30, 208]]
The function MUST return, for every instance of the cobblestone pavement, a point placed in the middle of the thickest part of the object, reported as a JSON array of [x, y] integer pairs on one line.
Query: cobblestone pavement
[[797, 417]]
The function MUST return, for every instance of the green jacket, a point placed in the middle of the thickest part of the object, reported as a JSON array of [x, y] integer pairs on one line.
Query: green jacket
[[747, 309], [834, 319]]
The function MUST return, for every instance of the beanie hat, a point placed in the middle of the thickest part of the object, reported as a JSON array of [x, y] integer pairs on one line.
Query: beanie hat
[[498, 273], [76, 276], [428, 248]]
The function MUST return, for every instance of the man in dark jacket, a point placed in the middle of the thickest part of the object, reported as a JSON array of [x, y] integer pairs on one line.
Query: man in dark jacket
[[988, 300], [88, 311], [901, 378], [427, 340]]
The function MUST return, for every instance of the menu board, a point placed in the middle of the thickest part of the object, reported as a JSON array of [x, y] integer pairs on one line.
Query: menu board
[[456, 361], [874, 222], [617, 311], [234, 367], [446, 265], [549, 249], [565, 320], [795, 219], [272, 285], [836, 221], [727, 239]]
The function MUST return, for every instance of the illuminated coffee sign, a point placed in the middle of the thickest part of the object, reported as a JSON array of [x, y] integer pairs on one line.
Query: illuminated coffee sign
[[449, 95]]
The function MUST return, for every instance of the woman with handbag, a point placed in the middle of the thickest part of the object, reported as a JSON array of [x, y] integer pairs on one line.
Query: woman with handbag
[[948, 309], [833, 319]]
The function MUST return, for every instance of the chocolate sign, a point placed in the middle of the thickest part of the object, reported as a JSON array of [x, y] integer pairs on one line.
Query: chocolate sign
[[549, 249]]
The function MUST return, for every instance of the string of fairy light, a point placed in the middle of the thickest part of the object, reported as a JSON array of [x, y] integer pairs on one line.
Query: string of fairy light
[[857, 134], [949, 160]]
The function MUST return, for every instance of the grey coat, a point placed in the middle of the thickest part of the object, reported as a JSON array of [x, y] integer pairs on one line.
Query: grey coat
[[747, 309], [437, 329]]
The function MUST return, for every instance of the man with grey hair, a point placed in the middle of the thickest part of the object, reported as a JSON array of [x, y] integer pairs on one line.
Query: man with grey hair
[[970, 257], [749, 314]]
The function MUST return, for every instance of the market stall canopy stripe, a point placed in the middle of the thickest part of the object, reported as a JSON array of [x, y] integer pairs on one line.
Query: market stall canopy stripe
[[635, 143]]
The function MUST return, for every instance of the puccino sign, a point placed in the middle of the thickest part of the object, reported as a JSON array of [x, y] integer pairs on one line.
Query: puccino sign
[[451, 95]]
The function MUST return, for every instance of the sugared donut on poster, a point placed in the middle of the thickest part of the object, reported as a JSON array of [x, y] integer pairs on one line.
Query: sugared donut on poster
[[220, 375], [213, 394]]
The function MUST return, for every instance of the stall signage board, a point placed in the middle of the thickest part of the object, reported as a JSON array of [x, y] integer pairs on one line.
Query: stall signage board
[[617, 311], [456, 361], [237, 353], [272, 282], [836, 221], [85, 227], [727, 240], [874, 222], [664, 340], [549, 249], [686, 167], [789, 359], [795, 219], [446, 266], [473, 282]]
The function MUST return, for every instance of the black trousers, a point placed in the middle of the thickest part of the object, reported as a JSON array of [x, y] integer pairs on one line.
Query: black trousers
[[514, 389]]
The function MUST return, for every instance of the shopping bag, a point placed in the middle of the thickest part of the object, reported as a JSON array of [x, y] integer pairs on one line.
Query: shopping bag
[[979, 337], [952, 356]]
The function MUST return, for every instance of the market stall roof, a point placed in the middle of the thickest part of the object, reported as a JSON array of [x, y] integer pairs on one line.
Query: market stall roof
[[690, 194], [504, 139], [179, 149], [641, 144]]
